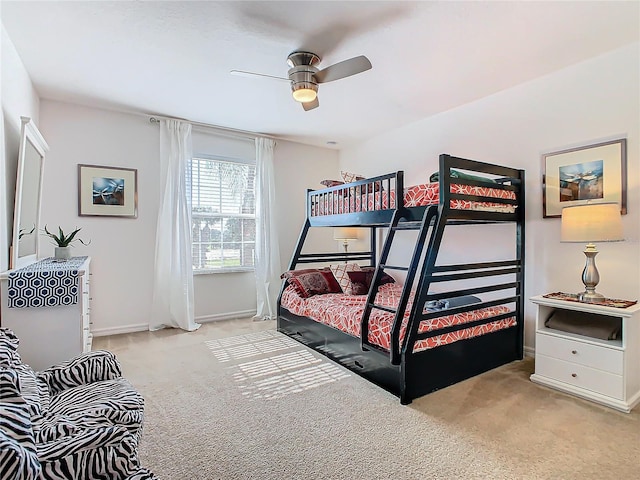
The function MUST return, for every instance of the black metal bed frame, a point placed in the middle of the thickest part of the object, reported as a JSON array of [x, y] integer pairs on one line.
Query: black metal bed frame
[[402, 371]]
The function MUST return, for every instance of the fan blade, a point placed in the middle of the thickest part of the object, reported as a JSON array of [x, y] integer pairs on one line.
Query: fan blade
[[311, 105], [343, 69], [241, 73]]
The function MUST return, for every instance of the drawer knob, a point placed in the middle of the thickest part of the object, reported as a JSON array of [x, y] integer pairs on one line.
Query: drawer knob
[[574, 375], [575, 352]]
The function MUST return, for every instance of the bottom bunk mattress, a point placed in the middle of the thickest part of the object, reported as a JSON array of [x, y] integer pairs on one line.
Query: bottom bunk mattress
[[344, 312]]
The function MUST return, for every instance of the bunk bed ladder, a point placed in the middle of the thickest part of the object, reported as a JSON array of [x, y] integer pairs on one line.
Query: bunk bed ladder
[[395, 225]]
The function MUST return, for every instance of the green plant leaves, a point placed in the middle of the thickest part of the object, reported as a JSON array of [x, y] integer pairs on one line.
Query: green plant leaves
[[63, 240]]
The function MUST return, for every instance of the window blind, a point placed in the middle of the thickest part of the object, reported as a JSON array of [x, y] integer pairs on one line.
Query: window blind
[[223, 214]]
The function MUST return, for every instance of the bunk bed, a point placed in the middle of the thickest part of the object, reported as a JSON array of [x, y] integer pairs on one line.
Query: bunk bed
[[445, 322]]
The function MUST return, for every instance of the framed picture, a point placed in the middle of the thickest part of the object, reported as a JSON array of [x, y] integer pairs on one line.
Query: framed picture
[[590, 174], [107, 191]]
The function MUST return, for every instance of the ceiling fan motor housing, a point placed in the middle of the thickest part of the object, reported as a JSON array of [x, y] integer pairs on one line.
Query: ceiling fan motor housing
[[302, 71], [302, 77], [296, 59]]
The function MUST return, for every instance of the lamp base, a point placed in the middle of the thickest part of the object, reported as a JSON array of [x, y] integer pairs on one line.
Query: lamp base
[[590, 297], [590, 277]]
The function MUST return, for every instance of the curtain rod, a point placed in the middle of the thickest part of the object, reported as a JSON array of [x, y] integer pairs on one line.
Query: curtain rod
[[231, 132]]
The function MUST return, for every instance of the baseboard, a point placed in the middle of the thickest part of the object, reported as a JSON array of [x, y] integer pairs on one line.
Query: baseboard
[[225, 316], [143, 327], [529, 352], [104, 332]]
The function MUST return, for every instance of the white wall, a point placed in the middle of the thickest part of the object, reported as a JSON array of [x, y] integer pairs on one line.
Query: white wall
[[298, 168], [588, 102], [122, 250], [18, 99]]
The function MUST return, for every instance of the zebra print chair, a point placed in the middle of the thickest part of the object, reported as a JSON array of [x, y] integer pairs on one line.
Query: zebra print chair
[[77, 420]]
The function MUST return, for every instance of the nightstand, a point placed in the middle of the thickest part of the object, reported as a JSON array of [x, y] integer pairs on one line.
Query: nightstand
[[603, 371]]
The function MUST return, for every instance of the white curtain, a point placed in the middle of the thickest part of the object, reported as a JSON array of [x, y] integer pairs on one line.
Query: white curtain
[[267, 248], [173, 277]]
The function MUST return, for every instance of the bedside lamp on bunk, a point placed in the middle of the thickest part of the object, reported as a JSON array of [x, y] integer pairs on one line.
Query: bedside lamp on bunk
[[345, 234], [591, 223]]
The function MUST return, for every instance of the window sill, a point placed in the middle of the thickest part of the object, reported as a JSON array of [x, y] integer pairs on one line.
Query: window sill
[[222, 271]]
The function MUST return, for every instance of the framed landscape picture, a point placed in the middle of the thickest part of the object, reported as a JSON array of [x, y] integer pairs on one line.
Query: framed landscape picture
[[107, 191], [590, 174]]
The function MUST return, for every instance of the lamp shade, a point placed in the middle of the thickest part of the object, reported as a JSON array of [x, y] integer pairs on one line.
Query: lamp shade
[[345, 233], [599, 222]]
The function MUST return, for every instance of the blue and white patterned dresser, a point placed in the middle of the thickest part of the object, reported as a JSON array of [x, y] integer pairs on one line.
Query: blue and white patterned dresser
[[47, 305]]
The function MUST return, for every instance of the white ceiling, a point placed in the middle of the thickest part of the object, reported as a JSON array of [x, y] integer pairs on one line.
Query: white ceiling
[[174, 58]]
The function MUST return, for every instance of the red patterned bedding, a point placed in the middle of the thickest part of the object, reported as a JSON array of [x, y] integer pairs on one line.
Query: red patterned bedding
[[344, 312], [414, 196]]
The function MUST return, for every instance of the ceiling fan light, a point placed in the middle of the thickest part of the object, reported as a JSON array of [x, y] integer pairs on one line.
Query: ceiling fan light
[[304, 95]]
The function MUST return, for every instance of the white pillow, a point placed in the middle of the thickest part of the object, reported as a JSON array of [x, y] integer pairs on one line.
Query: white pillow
[[340, 270], [349, 177]]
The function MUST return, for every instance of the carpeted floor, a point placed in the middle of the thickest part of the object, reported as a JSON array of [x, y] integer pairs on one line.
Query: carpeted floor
[[237, 400]]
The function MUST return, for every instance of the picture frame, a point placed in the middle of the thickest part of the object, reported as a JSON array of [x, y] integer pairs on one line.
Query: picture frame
[[107, 191], [582, 175]]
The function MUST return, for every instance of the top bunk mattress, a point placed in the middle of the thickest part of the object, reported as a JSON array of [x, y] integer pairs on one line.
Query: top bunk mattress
[[414, 196]]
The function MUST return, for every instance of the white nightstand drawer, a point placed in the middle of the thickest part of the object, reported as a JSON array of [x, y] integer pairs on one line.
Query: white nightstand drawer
[[594, 356], [580, 376]]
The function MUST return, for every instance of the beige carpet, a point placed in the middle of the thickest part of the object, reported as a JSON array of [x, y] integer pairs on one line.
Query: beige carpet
[[237, 400]]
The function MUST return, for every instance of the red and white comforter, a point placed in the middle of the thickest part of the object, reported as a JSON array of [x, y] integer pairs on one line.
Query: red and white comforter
[[414, 196], [344, 312]]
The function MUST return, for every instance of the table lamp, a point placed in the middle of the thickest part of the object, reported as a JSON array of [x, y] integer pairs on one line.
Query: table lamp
[[345, 234], [590, 223]]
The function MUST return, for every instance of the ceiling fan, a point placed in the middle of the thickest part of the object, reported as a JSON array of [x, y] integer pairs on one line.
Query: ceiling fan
[[304, 75]]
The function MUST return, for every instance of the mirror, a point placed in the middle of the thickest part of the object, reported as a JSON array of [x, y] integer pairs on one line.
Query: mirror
[[26, 215]]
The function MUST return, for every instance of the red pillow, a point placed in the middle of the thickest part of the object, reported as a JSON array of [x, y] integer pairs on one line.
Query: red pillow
[[331, 183], [361, 280], [343, 192], [385, 278], [312, 281]]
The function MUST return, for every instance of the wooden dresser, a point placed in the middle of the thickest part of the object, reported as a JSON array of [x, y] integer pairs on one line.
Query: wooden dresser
[[46, 304]]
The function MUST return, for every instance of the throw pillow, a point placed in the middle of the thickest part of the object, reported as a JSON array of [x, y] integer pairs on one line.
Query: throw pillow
[[331, 183], [349, 177], [361, 280], [435, 177], [385, 278], [312, 281], [340, 272]]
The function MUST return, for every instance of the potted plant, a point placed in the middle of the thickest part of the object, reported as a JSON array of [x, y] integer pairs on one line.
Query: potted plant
[[63, 242]]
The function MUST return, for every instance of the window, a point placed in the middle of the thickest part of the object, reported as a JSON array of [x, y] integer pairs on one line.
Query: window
[[223, 214]]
